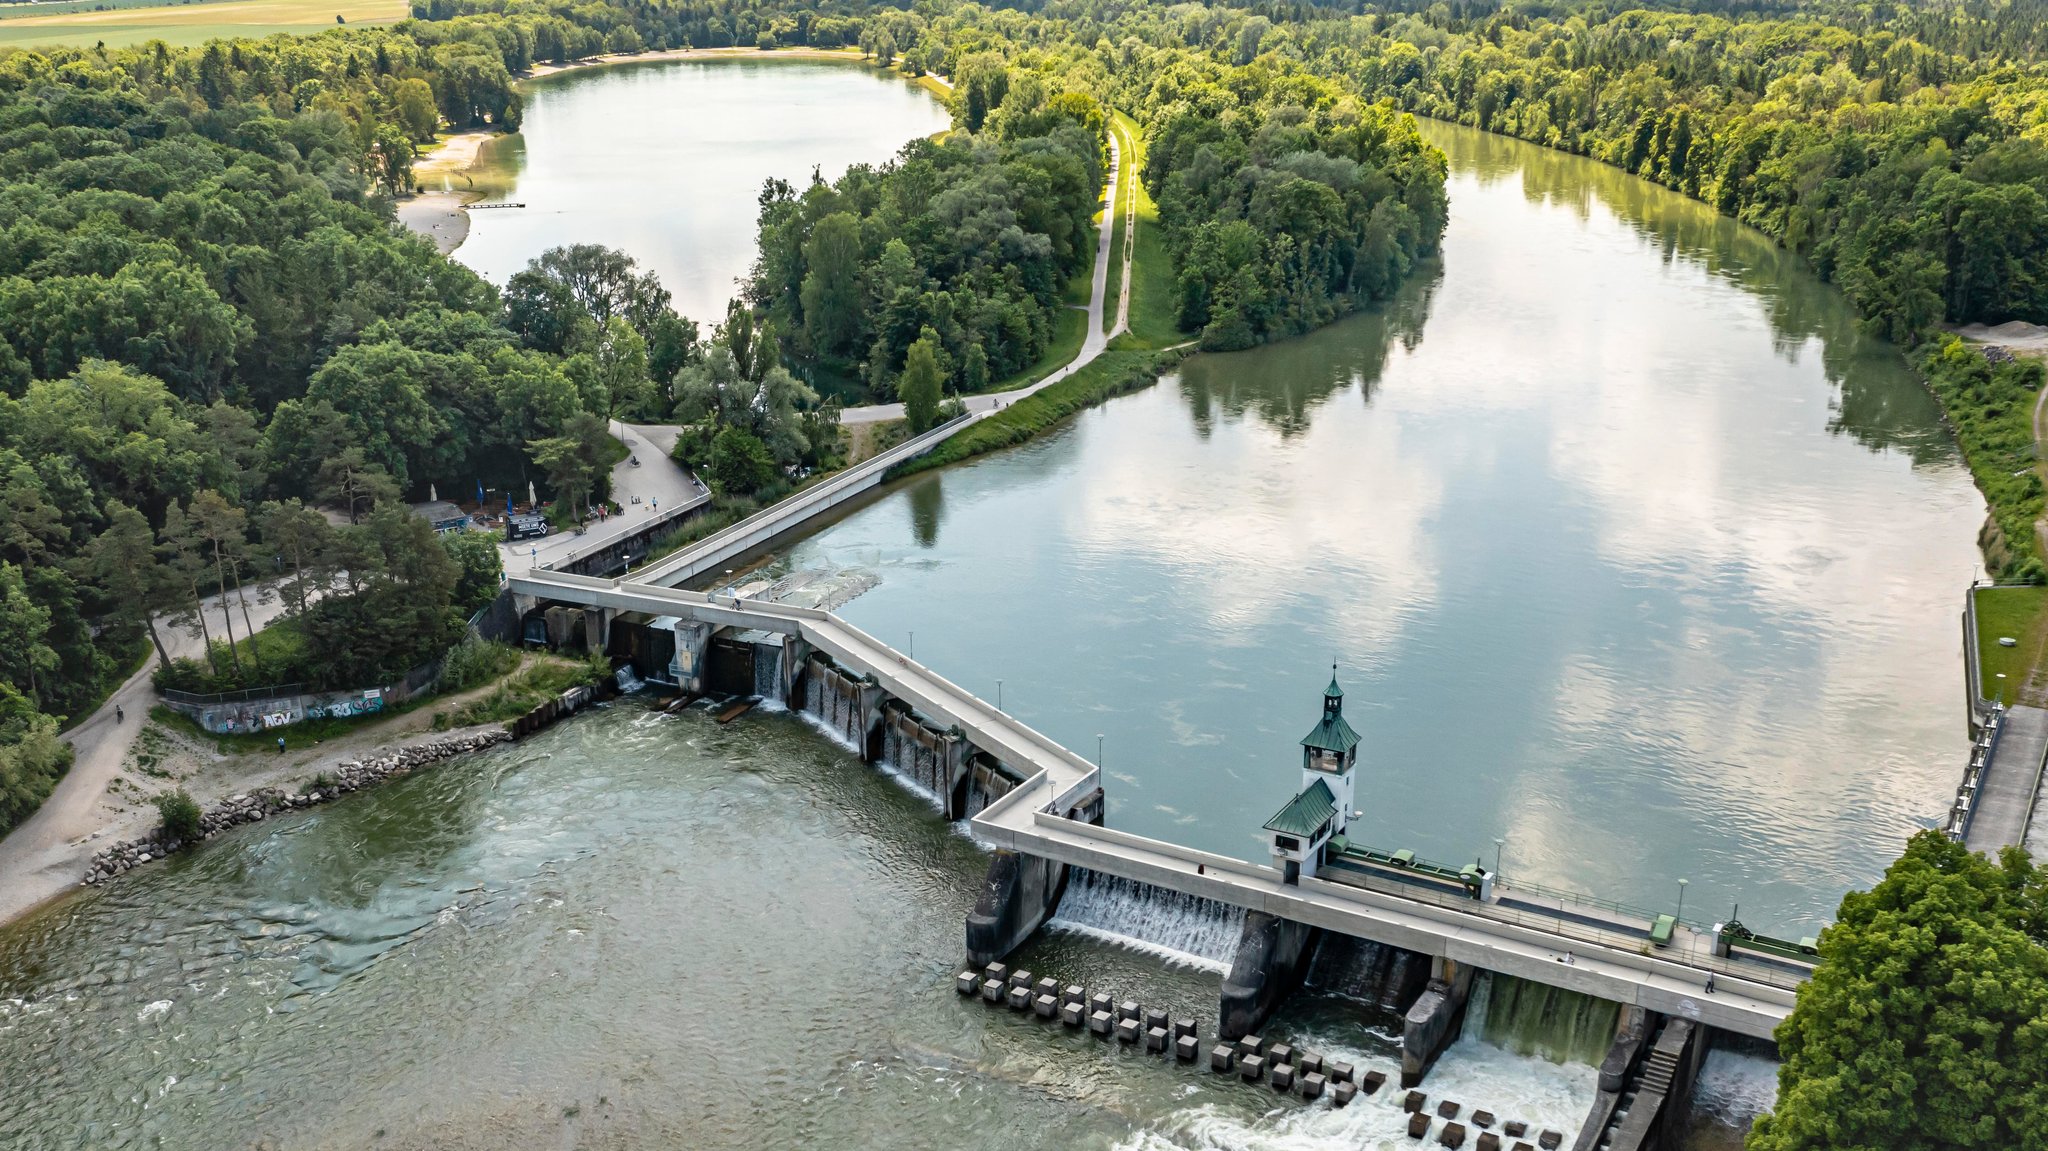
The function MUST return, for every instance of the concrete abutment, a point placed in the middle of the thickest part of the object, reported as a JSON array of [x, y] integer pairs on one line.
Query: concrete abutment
[[1272, 959]]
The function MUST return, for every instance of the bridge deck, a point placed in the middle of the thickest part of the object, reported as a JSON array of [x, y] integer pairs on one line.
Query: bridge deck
[[2006, 803], [1618, 965]]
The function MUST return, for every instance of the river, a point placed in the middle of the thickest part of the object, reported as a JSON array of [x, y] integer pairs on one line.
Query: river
[[666, 161], [1633, 554]]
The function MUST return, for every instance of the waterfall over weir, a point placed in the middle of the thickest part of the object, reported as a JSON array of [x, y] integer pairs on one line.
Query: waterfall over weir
[[1387, 977], [1179, 927], [1536, 1019]]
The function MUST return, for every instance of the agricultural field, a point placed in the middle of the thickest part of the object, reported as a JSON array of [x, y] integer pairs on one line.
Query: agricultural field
[[39, 25]]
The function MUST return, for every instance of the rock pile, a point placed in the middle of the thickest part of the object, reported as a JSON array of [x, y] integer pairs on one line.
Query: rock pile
[[259, 804]]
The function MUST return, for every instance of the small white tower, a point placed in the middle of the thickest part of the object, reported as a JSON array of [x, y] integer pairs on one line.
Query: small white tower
[[1322, 807]]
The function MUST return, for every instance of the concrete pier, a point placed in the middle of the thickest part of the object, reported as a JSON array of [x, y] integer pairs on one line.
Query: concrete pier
[[1017, 897], [1432, 1023], [1272, 958]]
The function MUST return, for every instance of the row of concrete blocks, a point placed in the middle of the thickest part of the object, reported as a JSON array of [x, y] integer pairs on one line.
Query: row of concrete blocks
[[1250, 1058], [1074, 1007], [1453, 1134]]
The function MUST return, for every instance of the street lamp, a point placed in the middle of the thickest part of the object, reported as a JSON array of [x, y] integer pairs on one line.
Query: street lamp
[[1098, 751], [912, 653], [999, 695], [1498, 843], [1681, 900]]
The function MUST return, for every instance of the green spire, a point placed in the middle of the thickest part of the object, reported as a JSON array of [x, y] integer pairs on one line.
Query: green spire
[[1332, 734]]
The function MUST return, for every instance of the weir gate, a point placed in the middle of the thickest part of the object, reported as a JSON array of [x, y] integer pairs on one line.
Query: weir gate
[[1041, 806]]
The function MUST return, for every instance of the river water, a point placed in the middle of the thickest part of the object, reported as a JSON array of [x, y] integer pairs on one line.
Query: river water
[[1633, 553], [666, 161]]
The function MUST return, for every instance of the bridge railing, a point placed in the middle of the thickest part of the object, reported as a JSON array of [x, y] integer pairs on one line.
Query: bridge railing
[[820, 495]]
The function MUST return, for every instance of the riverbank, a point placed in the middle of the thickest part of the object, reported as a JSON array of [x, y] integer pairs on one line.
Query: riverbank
[[162, 758]]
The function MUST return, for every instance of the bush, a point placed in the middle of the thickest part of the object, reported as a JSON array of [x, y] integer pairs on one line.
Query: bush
[[474, 661], [180, 815]]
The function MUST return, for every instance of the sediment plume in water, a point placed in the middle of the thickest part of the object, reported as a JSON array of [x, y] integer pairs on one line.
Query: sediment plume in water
[[1177, 927]]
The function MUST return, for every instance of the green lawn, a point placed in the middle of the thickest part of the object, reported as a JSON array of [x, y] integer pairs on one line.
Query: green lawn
[[184, 25], [1152, 285], [2020, 613]]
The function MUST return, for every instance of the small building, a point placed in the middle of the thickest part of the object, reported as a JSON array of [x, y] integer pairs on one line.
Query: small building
[[445, 517], [1320, 810]]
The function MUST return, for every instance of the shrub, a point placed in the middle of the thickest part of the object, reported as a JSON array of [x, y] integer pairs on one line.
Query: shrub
[[180, 815]]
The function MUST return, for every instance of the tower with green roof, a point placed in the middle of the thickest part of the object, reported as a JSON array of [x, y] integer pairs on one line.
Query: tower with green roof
[[1322, 807]]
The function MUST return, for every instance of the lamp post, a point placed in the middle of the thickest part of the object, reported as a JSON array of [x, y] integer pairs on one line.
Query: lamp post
[[999, 695], [1098, 751], [1681, 900], [1498, 843], [912, 653]]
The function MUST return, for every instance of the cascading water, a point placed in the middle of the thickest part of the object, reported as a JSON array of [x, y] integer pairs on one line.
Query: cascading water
[[768, 673], [1530, 1018], [909, 750], [1174, 925], [828, 698], [1387, 977], [627, 681]]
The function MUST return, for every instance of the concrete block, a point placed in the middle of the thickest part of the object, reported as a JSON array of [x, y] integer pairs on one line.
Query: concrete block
[[1482, 1119], [1312, 1085], [1550, 1140], [1045, 1006], [1020, 979], [1070, 1014], [1515, 1128], [1185, 1027], [1252, 1067], [1280, 1053], [1186, 1047], [1283, 1076], [1252, 1045], [1074, 994], [1128, 1009], [1524, 1147], [1344, 1093], [1020, 998], [1453, 1136], [1415, 1102], [1223, 1057], [1418, 1125], [1126, 1031], [1100, 1022], [992, 990], [1447, 1110], [1099, 1001], [1310, 1064], [967, 983], [1373, 1081], [1046, 985], [997, 972], [1155, 1039], [1488, 1141], [1154, 1017]]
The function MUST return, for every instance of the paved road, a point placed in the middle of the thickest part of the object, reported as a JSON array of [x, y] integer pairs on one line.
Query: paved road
[[1091, 346], [47, 854], [661, 485]]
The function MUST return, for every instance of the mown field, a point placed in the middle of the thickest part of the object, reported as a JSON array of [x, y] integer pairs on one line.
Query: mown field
[[184, 24]]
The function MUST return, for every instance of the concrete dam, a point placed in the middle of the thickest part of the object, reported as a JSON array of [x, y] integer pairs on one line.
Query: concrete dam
[[1448, 949]]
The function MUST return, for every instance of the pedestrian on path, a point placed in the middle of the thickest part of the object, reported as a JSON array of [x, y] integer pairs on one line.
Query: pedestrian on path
[[280, 745]]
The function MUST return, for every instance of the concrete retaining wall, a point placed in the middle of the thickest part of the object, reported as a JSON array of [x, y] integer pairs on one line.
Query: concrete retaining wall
[[1272, 958]]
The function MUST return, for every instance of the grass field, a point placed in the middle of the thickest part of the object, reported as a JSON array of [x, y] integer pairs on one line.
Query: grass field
[[2020, 613], [188, 24], [1152, 287]]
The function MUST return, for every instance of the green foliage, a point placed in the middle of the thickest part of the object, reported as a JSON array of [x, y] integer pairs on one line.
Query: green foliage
[[32, 758], [546, 679], [740, 464], [180, 815], [918, 386], [1922, 1026], [1991, 407], [480, 566], [475, 661]]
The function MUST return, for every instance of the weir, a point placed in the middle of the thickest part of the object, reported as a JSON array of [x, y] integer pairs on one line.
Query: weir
[[1040, 805]]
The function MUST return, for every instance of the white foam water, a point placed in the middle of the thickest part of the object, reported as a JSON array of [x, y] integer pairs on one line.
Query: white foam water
[[840, 738], [1177, 927], [1734, 1088], [1545, 1095]]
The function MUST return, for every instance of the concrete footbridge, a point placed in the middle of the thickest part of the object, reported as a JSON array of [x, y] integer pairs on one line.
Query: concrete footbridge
[[1041, 806]]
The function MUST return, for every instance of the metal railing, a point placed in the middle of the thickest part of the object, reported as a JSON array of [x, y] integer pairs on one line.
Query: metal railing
[[1964, 811], [195, 699]]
